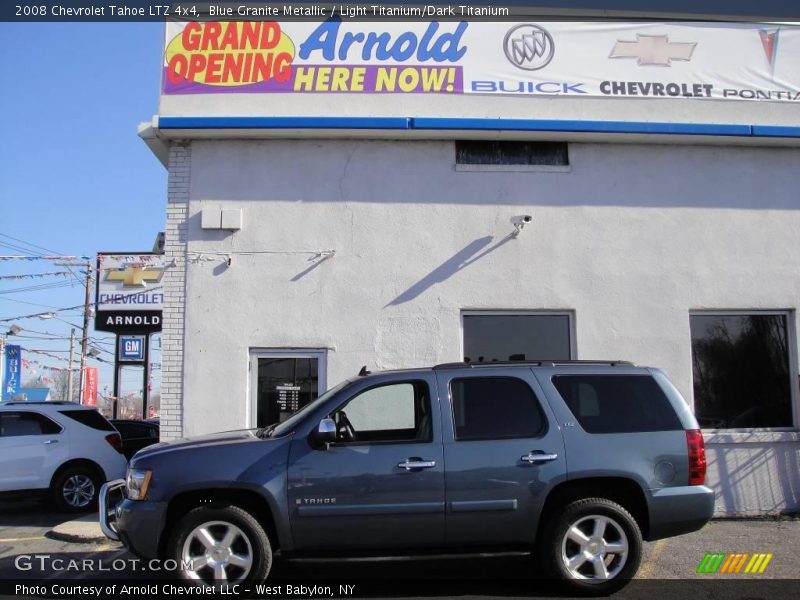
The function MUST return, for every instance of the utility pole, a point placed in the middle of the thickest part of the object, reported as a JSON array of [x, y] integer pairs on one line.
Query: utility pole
[[85, 337], [70, 372]]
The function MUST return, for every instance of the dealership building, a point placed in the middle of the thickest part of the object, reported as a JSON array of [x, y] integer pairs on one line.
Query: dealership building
[[406, 194]]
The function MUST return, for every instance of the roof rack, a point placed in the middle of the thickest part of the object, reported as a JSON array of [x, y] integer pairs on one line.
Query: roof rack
[[57, 402], [532, 363]]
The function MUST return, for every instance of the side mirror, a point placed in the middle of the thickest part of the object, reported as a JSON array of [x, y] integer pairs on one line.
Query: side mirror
[[325, 433]]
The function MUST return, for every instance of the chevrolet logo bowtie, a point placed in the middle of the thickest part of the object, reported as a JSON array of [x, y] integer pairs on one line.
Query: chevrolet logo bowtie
[[135, 276], [653, 50]]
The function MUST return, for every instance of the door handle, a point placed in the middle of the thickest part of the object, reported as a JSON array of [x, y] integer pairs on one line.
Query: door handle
[[416, 463], [51, 442], [537, 456]]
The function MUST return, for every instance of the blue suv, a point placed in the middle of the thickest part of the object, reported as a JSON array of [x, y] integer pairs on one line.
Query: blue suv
[[578, 461]]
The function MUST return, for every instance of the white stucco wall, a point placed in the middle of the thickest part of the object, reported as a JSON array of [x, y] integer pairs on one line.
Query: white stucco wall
[[630, 240]]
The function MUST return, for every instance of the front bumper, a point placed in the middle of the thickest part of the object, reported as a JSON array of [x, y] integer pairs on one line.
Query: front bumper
[[108, 514], [137, 524]]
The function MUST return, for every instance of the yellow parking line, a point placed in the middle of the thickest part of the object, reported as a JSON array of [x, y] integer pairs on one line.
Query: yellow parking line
[[104, 547], [658, 548], [22, 539]]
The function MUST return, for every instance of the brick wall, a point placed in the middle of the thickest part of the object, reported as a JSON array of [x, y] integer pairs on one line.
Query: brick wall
[[172, 336]]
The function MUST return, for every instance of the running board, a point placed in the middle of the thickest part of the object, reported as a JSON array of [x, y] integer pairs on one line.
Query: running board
[[407, 557]]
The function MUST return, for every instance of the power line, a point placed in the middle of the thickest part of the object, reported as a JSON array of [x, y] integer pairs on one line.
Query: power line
[[34, 275], [31, 303], [69, 323], [5, 235], [39, 288], [41, 315], [14, 247], [40, 257]]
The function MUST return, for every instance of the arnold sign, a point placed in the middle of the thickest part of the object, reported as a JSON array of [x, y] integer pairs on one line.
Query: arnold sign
[[129, 294]]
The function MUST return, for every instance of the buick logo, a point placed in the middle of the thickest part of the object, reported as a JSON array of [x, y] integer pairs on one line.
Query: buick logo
[[529, 47]]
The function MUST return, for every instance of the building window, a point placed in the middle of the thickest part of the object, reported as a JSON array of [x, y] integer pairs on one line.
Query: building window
[[741, 370], [284, 381], [490, 337], [493, 155], [494, 408]]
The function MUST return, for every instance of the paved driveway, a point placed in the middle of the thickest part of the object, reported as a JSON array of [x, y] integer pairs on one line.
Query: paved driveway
[[668, 568]]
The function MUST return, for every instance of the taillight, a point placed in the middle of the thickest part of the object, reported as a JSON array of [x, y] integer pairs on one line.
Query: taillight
[[115, 441], [697, 457]]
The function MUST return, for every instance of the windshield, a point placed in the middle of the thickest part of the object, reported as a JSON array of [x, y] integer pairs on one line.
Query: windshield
[[291, 422]]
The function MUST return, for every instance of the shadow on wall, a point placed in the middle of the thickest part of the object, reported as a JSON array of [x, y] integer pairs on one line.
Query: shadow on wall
[[751, 478], [471, 253]]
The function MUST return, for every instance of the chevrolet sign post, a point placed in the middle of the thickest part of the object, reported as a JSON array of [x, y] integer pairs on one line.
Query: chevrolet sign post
[[129, 298]]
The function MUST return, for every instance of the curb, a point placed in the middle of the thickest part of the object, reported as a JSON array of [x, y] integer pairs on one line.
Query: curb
[[83, 530]]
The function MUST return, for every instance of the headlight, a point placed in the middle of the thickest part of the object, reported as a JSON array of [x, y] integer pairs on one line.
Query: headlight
[[137, 482]]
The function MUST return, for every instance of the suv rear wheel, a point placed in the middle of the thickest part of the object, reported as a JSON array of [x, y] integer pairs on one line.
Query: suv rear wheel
[[76, 489], [594, 545], [223, 543]]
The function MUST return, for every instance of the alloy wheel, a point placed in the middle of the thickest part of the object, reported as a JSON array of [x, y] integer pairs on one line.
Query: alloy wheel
[[217, 551], [594, 549], [78, 490]]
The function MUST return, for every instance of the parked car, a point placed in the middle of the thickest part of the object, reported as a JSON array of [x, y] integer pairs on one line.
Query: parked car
[[135, 434], [582, 461], [62, 448]]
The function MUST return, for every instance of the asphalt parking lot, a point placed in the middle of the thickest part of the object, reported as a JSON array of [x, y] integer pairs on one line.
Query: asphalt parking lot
[[668, 568]]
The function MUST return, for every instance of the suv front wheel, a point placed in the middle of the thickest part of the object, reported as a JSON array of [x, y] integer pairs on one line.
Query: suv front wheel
[[223, 543], [594, 545]]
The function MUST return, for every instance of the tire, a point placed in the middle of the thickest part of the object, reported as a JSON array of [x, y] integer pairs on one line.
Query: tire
[[225, 544], [604, 535], [76, 489]]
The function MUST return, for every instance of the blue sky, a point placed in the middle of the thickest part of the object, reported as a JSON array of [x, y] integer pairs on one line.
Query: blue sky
[[74, 176]]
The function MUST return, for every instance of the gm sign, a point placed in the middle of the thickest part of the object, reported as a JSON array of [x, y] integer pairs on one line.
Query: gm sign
[[131, 348]]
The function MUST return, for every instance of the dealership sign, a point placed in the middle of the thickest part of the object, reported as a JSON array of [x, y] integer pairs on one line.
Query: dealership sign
[[729, 61], [129, 295], [90, 386], [131, 348], [12, 372]]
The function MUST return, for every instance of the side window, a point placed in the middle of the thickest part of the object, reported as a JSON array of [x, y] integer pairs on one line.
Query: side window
[[26, 423], [489, 408], [396, 412], [617, 403]]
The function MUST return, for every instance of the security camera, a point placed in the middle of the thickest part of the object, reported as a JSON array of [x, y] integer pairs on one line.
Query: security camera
[[519, 223]]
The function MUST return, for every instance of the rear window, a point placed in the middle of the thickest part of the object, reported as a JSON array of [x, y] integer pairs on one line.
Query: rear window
[[617, 403], [90, 418], [489, 408]]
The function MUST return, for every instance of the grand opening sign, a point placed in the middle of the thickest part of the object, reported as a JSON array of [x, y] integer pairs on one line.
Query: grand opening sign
[[614, 60]]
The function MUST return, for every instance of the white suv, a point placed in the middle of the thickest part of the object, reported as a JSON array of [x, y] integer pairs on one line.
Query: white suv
[[63, 447]]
